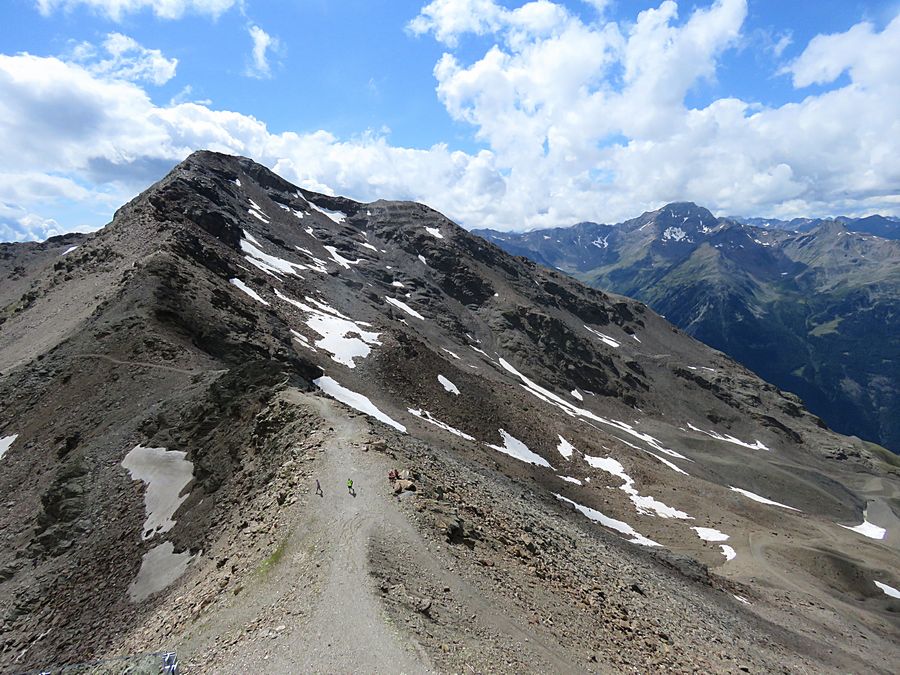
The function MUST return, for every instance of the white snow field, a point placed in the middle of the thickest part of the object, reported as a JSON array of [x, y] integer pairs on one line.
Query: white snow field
[[403, 306], [336, 216], [448, 385], [605, 338], [710, 534], [515, 448], [166, 473], [865, 528], [565, 448], [762, 500], [160, 567], [341, 337], [647, 506], [431, 419], [6, 442], [355, 401], [237, 283], [888, 590], [756, 445], [611, 523]]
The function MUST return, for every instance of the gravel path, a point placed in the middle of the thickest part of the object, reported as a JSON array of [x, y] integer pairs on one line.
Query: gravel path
[[346, 629]]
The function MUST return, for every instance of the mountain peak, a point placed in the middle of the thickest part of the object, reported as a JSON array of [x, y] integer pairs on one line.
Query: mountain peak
[[231, 339]]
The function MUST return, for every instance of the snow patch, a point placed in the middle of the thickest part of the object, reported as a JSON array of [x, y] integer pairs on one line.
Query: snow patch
[[761, 500], [574, 411], [647, 506], [257, 212], [422, 259], [756, 445], [302, 339], [165, 473], [267, 263], [341, 337], [318, 265], [434, 232], [67, 251], [605, 338], [888, 590], [356, 401], [516, 449], [710, 534], [565, 448], [428, 417], [569, 479], [397, 284], [728, 552], [336, 216], [451, 353], [249, 291], [865, 528], [740, 599], [160, 567], [675, 234], [406, 308], [339, 259], [6, 442], [577, 394], [448, 385], [611, 523]]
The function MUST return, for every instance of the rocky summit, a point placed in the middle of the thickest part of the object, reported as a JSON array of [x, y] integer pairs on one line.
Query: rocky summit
[[280, 431]]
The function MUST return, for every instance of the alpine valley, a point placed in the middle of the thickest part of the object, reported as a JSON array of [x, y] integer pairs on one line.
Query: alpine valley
[[810, 305], [281, 431]]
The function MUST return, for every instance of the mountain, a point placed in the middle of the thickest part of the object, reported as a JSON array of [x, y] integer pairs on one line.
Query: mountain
[[816, 312], [880, 226], [276, 430]]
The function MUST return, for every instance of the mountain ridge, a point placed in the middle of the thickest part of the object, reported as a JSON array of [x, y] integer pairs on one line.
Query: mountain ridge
[[558, 440]]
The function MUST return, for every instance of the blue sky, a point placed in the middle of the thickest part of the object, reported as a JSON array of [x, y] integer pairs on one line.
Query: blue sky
[[506, 114]]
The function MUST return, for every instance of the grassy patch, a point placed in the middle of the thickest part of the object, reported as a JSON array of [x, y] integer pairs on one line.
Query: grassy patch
[[270, 562], [884, 455], [826, 328]]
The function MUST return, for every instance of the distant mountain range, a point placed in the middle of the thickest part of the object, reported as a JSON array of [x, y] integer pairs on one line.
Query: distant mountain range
[[881, 226], [812, 305]]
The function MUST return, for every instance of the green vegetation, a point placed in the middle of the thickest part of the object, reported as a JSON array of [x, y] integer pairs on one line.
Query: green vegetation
[[272, 560], [827, 327]]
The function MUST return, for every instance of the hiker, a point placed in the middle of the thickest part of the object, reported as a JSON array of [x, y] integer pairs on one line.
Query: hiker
[[319, 489], [350, 486]]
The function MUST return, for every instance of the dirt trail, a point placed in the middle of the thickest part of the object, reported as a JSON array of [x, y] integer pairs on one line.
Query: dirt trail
[[140, 364], [345, 629]]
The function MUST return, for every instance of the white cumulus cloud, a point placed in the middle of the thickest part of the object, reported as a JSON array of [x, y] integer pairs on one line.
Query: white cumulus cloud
[[127, 60], [263, 43], [117, 9]]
